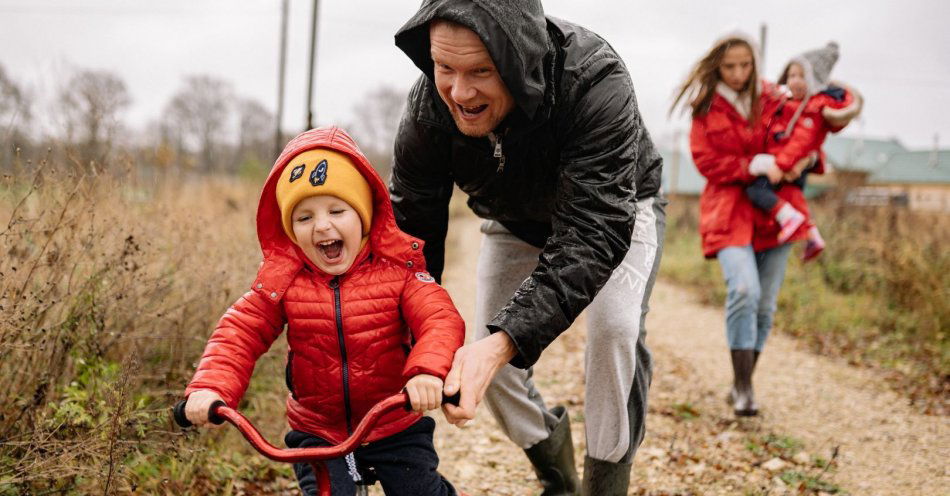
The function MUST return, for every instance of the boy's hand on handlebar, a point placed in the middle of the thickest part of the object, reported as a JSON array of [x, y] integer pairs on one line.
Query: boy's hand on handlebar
[[425, 392], [198, 405]]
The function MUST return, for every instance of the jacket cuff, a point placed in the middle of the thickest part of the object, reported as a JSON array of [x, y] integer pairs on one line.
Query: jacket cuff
[[415, 370], [526, 347], [746, 176], [229, 399]]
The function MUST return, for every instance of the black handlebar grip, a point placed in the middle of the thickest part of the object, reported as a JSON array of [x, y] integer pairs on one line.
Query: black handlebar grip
[[213, 417], [182, 420], [178, 412], [452, 400]]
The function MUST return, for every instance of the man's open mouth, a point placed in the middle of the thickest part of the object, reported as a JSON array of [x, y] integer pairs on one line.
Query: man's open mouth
[[331, 249], [472, 111]]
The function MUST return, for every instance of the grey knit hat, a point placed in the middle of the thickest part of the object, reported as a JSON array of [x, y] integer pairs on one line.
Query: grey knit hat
[[817, 65]]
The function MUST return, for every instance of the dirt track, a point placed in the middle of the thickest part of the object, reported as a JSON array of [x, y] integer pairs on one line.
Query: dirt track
[[811, 405]]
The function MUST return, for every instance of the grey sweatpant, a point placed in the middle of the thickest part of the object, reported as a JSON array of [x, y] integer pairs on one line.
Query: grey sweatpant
[[618, 363]]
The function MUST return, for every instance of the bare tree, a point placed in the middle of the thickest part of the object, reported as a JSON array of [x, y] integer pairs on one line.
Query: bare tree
[[377, 119], [14, 114], [197, 116], [255, 129], [89, 105]]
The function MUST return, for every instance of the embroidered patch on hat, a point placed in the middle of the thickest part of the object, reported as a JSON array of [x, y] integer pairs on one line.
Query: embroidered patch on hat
[[424, 277], [319, 175], [297, 172]]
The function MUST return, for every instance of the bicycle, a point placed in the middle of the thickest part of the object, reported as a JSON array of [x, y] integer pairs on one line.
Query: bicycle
[[219, 413]]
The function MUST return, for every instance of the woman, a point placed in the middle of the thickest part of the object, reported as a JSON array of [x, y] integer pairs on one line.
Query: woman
[[729, 102]]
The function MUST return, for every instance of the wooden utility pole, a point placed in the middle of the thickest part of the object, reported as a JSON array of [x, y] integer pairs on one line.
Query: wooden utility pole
[[313, 61], [281, 71], [763, 29]]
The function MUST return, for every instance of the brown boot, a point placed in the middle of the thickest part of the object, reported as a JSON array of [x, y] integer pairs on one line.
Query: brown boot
[[743, 398], [553, 459], [731, 397]]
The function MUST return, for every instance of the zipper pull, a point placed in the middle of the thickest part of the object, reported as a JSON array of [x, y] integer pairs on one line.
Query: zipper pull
[[496, 140], [335, 282]]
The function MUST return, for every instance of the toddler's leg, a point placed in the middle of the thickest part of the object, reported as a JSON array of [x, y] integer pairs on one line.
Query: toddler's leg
[[814, 245], [762, 195], [341, 482], [406, 463], [789, 219]]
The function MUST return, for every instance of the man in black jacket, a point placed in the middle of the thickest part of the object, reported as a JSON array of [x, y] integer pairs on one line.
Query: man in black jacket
[[535, 119]]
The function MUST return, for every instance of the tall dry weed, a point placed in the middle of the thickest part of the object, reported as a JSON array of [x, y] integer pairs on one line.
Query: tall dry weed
[[109, 287]]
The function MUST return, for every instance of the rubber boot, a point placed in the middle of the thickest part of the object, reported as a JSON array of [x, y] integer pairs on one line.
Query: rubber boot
[[731, 397], [553, 459], [743, 362], [603, 478]]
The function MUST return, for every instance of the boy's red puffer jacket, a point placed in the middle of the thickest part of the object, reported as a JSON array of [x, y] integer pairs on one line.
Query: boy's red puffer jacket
[[723, 143], [810, 131], [349, 336]]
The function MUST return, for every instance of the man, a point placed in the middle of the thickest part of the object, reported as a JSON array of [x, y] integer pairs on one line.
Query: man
[[535, 119]]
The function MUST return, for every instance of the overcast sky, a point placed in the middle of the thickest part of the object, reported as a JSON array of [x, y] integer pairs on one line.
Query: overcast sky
[[897, 53]]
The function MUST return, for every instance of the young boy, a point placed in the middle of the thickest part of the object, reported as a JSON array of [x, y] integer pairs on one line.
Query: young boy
[[799, 128], [363, 319]]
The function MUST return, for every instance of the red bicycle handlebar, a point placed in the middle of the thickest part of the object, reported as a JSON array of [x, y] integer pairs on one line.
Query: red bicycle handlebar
[[220, 412], [304, 455]]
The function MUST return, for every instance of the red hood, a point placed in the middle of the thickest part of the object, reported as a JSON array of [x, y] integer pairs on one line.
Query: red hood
[[283, 259]]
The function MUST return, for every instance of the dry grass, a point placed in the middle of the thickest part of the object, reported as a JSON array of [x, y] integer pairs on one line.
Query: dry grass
[[109, 287], [879, 295]]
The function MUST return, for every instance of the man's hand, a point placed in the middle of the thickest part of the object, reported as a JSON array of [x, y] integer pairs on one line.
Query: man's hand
[[197, 406], [425, 392], [473, 369]]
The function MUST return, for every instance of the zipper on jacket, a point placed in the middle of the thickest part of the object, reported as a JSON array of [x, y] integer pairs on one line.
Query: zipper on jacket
[[289, 374], [495, 140], [335, 286]]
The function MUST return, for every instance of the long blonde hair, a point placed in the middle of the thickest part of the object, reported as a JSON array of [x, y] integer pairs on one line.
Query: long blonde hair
[[702, 80]]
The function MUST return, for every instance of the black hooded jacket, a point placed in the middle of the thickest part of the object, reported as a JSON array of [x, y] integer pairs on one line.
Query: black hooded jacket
[[575, 158]]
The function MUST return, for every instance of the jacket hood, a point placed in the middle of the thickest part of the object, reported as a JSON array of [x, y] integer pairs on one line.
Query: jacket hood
[[283, 259], [513, 31], [817, 65]]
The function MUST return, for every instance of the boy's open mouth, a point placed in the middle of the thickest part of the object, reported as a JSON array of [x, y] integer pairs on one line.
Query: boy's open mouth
[[472, 111], [331, 249]]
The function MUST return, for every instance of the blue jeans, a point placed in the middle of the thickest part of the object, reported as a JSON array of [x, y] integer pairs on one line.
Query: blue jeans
[[752, 284]]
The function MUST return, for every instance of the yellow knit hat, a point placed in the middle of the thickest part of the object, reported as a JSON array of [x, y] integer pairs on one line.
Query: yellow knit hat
[[323, 172]]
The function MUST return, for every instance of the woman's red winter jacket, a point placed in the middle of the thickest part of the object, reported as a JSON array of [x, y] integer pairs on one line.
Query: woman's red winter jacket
[[723, 143], [349, 336]]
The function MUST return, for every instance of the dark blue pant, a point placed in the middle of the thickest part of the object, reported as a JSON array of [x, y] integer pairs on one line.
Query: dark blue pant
[[762, 193], [404, 464]]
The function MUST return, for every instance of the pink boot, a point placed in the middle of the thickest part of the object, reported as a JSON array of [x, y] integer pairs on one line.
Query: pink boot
[[790, 220], [814, 246]]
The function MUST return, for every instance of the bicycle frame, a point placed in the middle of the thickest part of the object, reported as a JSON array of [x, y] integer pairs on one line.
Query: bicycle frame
[[220, 412]]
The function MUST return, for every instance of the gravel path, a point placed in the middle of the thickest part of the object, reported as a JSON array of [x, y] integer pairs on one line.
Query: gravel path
[[826, 427]]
